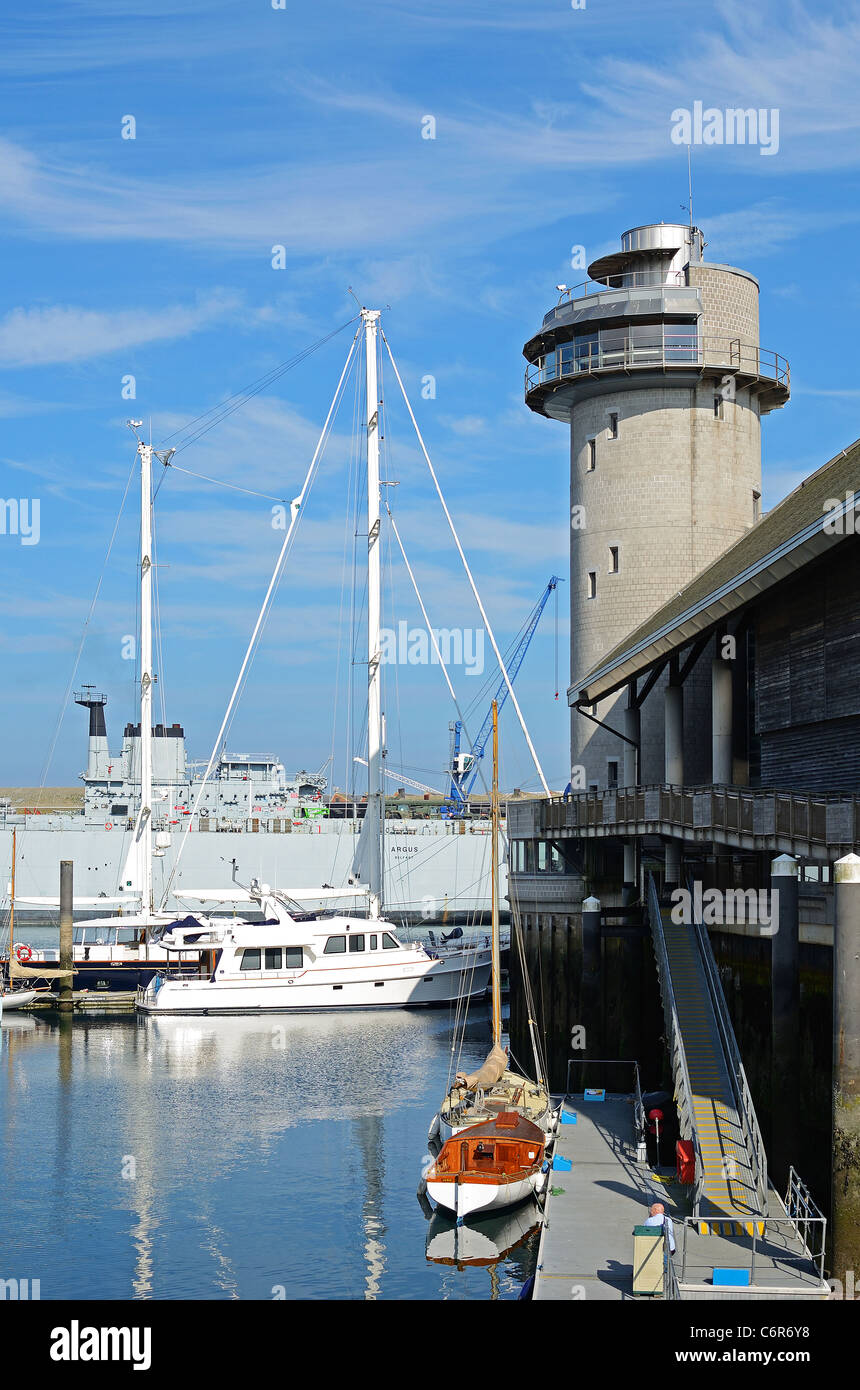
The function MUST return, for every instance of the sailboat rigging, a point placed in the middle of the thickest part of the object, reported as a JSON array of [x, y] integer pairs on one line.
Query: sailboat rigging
[[309, 960], [496, 1124]]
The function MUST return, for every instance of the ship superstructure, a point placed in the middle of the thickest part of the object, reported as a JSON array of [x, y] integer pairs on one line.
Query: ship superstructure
[[241, 787]]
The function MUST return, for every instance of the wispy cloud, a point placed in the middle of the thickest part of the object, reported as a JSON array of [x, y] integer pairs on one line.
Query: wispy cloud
[[63, 333]]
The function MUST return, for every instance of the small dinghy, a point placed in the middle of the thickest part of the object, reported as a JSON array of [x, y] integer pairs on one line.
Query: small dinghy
[[486, 1168]]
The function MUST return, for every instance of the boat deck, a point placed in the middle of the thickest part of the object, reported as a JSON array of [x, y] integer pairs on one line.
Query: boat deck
[[586, 1249], [511, 1092]]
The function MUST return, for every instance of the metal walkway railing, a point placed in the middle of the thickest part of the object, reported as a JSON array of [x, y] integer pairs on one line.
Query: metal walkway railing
[[715, 1109]]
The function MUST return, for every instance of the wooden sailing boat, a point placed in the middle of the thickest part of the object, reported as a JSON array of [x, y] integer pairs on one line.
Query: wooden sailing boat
[[497, 1121], [477, 1098]]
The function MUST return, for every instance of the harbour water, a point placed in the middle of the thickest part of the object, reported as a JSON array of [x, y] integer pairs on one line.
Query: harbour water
[[235, 1158]]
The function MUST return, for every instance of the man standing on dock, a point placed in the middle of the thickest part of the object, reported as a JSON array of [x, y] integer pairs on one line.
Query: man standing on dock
[[657, 1217]]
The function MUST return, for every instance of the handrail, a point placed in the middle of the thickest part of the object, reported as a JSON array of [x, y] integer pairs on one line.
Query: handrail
[[673, 350], [675, 1041], [772, 1225], [746, 1109], [803, 1210], [638, 1107], [671, 1287], [626, 280], [760, 814]]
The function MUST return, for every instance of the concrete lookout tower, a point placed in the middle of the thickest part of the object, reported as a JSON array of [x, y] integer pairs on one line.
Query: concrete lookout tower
[[655, 363]]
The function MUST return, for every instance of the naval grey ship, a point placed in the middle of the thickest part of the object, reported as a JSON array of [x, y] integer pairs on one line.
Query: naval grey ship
[[287, 832]]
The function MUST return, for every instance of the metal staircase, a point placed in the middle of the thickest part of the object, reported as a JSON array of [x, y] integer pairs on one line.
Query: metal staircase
[[715, 1109]]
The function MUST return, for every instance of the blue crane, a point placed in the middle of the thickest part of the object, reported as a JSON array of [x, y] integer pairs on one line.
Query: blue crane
[[465, 766]]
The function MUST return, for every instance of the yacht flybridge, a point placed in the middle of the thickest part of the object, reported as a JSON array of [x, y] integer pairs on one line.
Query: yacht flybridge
[[294, 960]]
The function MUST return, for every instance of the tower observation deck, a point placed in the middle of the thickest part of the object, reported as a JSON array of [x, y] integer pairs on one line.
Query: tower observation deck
[[655, 364]]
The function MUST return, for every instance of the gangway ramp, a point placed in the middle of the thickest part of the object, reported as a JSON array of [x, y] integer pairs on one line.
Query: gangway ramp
[[728, 1186], [715, 1109]]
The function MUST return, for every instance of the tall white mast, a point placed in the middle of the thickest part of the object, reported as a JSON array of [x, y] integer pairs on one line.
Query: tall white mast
[[144, 836], [494, 890], [373, 816]]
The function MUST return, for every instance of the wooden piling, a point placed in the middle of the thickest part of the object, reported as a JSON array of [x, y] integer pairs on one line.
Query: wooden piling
[[67, 918]]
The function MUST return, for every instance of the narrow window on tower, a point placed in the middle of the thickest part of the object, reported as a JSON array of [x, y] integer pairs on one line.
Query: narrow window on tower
[[612, 774], [718, 407], [591, 457], [613, 559], [756, 505], [613, 424], [591, 590]]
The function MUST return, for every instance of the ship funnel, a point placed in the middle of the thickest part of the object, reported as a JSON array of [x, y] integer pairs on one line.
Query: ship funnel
[[98, 760]]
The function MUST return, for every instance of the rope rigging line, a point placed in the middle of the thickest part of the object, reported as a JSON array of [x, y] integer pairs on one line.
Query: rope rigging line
[[50, 756], [295, 511], [468, 571], [433, 637], [246, 393], [217, 482]]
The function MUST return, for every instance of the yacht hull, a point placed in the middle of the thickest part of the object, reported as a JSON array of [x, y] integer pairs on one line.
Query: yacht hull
[[489, 1167], [439, 982], [17, 999], [464, 1199]]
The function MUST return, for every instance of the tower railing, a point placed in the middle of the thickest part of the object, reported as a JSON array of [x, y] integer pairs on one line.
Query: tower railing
[[662, 351], [624, 280]]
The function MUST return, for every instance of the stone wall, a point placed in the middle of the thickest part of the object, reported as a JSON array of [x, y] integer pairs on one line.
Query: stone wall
[[671, 492]]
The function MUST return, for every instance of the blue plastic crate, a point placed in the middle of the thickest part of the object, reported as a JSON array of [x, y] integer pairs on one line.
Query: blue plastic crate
[[732, 1278]]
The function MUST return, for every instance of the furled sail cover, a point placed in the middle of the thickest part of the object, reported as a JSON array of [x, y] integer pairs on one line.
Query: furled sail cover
[[35, 972], [486, 1076]]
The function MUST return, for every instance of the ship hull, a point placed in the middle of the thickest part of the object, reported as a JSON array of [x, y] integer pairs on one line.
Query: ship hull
[[434, 873]]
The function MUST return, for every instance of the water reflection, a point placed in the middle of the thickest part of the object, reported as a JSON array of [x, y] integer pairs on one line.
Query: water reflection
[[231, 1157]]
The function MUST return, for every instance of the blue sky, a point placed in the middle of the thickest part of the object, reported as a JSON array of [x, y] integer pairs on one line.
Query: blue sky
[[302, 127]]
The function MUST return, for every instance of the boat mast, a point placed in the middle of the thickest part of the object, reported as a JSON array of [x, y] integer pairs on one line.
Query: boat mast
[[373, 815], [12, 910], [494, 890], [145, 833]]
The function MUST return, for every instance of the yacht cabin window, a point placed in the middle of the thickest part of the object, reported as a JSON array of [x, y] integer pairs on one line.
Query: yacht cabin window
[[293, 957], [250, 958], [273, 957], [389, 944], [373, 942], [356, 943], [335, 946]]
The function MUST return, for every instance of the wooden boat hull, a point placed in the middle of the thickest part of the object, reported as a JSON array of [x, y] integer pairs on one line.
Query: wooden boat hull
[[489, 1167], [464, 1199]]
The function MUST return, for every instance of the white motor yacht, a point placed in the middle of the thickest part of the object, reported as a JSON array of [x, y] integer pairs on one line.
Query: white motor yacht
[[294, 960]]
